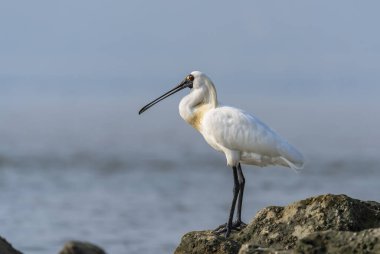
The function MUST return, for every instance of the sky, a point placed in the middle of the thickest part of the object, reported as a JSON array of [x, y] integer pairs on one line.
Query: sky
[[310, 68], [270, 46]]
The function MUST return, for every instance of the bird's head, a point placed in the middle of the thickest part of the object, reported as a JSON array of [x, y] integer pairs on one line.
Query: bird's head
[[194, 80]]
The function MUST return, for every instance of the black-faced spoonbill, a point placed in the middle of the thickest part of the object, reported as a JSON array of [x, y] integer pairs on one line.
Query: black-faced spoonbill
[[240, 136]]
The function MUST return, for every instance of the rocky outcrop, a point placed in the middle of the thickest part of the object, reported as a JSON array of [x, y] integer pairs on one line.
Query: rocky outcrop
[[75, 247], [206, 242], [331, 241], [6, 248], [327, 223]]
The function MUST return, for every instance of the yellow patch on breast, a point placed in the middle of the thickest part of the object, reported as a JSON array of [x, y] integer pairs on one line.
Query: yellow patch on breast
[[197, 116]]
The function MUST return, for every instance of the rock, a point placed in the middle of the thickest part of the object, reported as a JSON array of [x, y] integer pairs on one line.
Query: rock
[[331, 241], [206, 242], [75, 247], [280, 229], [6, 248], [254, 249]]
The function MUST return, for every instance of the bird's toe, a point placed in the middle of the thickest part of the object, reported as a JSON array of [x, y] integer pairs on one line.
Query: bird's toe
[[228, 232], [224, 229], [220, 228]]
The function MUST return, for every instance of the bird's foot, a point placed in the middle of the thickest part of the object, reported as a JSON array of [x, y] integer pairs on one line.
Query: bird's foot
[[224, 228], [236, 226]]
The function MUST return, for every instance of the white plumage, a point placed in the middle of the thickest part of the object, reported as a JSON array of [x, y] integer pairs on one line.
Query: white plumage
[[242, 137]]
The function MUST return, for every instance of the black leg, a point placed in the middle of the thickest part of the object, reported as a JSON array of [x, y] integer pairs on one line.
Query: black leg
[[241, 180], [233, 204], [238, 190]]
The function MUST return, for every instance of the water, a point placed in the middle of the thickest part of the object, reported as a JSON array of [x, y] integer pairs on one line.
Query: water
[[83, 165]]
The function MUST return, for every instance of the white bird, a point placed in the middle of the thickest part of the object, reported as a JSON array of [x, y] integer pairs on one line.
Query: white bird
[[242, 137]]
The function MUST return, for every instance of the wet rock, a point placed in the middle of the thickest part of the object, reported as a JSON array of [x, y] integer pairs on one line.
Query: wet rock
[[6, 248], [75, 247], [281, 228]]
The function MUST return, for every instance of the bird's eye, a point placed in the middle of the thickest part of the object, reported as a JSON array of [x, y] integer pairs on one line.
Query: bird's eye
[[190, 77]]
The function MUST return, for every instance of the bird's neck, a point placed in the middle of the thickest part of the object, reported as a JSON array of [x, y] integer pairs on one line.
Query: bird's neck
[[193, 107]]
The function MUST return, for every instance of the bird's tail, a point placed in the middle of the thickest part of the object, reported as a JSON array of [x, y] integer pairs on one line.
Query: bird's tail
[[291, 156]]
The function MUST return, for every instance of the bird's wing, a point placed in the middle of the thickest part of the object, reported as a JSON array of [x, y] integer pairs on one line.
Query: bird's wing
[[237, 130]]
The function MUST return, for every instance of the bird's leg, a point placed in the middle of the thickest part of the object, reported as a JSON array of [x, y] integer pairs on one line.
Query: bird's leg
[[228, 226], [238, 224], [236, 191]]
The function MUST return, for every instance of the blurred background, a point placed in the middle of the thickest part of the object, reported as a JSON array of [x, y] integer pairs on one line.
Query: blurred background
[[78, 162]]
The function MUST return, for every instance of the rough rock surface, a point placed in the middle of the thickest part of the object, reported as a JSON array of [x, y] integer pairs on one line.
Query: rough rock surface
[[75, 247], [297, 228], [366, 241], [206, 242], [6, 248]]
